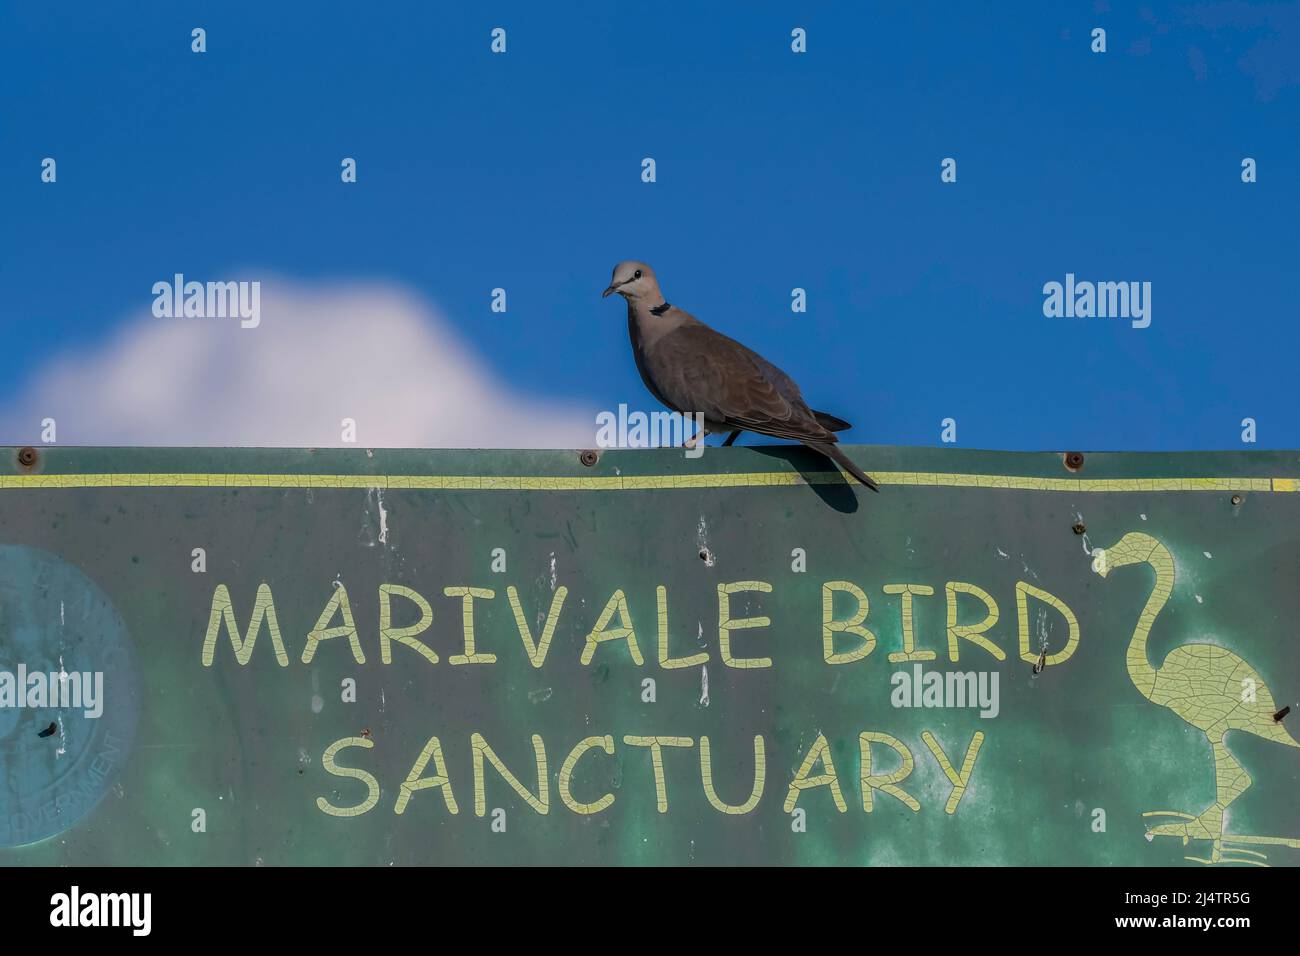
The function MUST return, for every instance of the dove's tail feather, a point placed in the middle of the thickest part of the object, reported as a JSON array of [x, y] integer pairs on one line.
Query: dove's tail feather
[[825, 419], [830, 422], [833, 452]]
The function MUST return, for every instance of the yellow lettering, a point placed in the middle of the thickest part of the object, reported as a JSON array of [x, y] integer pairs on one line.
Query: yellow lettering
[[727, 624], [223, 611], [885, 782], [1023, 593], [909, 652], [971, 632], [852, 625], [537, 652], [414, 782], [820, 750], [403, 635], [959, 780], [372, 785], [760, 778], [467, 596], [606, 743], [695, 660], [481, 750], [617, 603], [656, 745], [338, 603]]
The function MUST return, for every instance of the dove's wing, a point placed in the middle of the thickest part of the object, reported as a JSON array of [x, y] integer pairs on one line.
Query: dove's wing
[[702, 370]]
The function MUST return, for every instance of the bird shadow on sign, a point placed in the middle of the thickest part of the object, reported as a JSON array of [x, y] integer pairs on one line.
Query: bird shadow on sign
[[823, 478]]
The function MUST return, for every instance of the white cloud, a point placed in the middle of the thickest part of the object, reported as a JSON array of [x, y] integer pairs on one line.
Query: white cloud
[[322, 353]]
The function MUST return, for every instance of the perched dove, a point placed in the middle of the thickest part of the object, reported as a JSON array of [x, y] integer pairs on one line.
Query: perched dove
[[693, 369]]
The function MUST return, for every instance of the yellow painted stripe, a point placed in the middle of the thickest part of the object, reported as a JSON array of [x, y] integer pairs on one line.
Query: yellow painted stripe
[[639, 482]]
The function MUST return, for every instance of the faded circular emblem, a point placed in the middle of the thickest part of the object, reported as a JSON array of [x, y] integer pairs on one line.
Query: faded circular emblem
[[68, 701]]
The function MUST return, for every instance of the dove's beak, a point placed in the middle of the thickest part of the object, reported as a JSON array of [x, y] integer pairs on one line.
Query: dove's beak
[[605, 294]]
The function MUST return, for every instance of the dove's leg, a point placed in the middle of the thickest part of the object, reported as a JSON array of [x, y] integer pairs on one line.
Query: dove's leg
[[697, 438]]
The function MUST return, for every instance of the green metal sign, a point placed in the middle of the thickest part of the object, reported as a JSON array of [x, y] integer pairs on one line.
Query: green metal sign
[[357, 657]]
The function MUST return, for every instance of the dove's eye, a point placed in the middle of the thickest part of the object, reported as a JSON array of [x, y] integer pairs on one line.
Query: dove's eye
[[638, 274]]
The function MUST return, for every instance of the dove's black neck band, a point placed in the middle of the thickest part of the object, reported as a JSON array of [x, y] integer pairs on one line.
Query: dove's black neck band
[[660, 309]]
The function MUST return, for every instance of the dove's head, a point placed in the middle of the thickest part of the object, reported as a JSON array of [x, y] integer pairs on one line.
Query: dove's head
[[634, 280]]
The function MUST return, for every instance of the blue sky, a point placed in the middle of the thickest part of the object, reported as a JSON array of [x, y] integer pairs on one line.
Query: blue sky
[[774, 170]]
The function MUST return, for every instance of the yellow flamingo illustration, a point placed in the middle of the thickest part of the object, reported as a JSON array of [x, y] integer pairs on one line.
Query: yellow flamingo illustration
[[1212, 689]]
